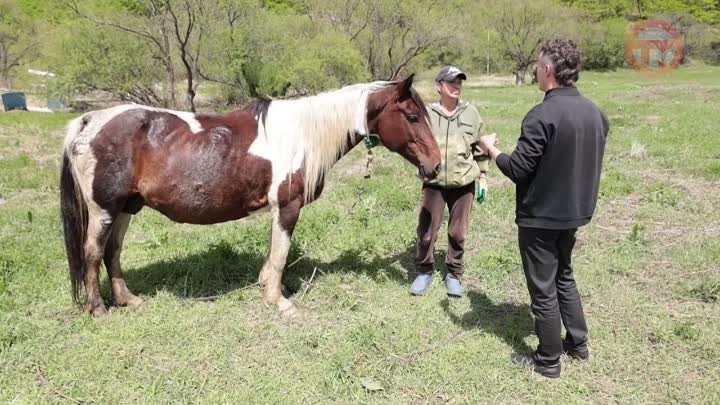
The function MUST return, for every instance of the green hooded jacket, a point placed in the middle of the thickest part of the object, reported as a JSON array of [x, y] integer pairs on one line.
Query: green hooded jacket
[[458, 136]]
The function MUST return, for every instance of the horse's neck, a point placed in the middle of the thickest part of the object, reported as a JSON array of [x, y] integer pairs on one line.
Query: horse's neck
[[328, 126]]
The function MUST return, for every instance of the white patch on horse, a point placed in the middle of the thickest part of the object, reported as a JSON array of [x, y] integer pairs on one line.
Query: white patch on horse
[[271, 274], [313, 131]]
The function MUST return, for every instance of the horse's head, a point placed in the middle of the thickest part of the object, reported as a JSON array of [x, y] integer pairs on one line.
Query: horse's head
[[398, 116]]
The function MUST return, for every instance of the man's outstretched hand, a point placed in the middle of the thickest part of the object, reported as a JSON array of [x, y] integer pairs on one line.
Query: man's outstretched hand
[[488, 141]]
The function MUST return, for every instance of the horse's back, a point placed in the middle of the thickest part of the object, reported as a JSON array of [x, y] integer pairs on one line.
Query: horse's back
[[193, 169]]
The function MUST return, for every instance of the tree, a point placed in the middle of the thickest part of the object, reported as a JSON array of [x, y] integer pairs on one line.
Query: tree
[[696, 37], [391, 34], [225, 48], [88, 58], [603, 44], [290, 56], [521, 29], [705, 11], [18, 39], [148, 21], [184, 15]]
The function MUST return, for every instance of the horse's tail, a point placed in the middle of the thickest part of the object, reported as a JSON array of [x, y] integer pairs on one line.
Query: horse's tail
[[74, 213]]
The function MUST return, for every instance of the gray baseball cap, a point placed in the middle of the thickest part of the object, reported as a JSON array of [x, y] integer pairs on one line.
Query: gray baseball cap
[[448, 73]]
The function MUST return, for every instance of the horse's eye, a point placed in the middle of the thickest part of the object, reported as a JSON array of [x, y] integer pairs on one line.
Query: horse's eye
[[412, 118]]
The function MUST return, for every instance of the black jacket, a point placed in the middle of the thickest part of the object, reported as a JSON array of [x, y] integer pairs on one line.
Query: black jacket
[[556, 164]]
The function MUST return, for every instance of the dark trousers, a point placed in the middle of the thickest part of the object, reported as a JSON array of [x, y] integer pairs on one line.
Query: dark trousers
[[546, 257], [459, 202]]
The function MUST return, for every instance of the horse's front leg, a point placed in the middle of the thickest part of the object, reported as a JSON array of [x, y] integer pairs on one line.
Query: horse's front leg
[[283, 224]]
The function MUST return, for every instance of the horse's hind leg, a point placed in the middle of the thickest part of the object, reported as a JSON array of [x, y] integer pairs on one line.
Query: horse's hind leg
[[283, 224], [100, 224], [120, 293]]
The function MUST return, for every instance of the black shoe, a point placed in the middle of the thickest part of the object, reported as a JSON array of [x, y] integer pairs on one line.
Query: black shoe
[[582, 355], [575, 353], [551, 371]]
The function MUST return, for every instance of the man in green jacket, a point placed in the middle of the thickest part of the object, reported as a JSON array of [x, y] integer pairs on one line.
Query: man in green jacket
[[457, 127]]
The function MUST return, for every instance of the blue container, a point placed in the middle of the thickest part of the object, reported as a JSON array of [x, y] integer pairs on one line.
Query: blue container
[[14, 101], [56, 104]]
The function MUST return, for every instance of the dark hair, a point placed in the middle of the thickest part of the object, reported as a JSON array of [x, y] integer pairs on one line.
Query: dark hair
[[565, 58]]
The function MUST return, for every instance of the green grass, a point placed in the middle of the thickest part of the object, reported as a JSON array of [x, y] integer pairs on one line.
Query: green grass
[[648, 268]]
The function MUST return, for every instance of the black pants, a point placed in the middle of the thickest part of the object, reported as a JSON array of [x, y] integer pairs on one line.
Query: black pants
[[546, 257]]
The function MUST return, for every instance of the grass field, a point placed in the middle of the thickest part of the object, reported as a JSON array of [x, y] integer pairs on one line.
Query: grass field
[[648, 268]]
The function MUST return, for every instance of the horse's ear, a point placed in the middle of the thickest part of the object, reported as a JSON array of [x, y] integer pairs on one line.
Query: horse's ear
[[406, 85]]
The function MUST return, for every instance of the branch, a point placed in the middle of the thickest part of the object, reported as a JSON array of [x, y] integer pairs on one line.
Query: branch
[[145, 35], [219, 81]]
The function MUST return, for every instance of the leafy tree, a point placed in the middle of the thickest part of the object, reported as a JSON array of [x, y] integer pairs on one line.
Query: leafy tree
[[391, 34], [148, 21], [88, 58], [521, 29], [602, 44], [290, 57], [705, 11], [18, 39]]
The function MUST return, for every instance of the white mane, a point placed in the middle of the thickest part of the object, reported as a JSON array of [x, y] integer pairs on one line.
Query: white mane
[[314, 131]]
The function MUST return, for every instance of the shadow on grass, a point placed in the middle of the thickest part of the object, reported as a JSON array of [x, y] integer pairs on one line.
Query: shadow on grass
[[217, 270], [222, 269], [510, 322]]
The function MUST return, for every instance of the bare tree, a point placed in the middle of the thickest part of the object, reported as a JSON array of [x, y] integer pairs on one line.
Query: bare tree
[[521, 29], [184, 28], [349, 16]]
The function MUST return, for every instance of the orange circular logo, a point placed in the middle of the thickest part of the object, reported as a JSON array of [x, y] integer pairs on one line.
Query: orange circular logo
[[653, 48]]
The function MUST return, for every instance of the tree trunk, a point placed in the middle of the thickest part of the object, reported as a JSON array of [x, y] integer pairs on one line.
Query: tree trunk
[[170, 100], [169, 91], [191, 95], [520, 75]]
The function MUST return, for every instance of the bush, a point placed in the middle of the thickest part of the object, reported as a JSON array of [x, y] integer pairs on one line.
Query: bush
[[89, 58], [697, 37], [291, 58], [714, 56], [603, 45]]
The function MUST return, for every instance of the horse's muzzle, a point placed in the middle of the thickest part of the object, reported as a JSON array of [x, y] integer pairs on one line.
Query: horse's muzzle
[[429, 174]]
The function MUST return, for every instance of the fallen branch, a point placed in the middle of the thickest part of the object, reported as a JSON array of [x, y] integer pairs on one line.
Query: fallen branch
[[309, 283]]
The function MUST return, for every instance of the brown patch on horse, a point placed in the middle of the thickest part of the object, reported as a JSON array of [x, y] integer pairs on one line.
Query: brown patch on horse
[[383, 108], [154, 158], [291, 198]]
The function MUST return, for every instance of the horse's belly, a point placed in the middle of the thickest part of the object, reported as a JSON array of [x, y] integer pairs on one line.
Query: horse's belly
[[209, 213], [227, 195]]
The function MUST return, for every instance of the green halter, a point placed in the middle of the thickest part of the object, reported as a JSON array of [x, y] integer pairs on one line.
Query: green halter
[[371, 140]]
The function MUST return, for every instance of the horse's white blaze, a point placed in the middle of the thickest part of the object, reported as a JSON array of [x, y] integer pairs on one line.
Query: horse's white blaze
[[311, 131]]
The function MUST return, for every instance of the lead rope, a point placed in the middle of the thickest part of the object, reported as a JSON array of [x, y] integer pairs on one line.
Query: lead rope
[[370, 142], [369, 164]]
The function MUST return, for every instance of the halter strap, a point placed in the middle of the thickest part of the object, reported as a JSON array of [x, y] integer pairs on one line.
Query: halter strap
[[371, 140]]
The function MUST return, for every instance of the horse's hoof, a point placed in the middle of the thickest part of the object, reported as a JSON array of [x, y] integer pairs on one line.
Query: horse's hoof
[[289, 310], [129, 300], [97, 311], [292, 312]]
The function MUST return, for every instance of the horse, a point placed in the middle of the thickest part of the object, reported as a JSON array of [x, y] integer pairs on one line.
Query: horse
[[210, 168]]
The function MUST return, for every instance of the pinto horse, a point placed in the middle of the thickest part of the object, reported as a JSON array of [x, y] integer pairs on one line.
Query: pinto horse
[[205, 169]]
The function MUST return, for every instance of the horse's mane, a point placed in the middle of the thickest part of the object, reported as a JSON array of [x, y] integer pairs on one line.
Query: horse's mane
[[259, 108], [322, 126]]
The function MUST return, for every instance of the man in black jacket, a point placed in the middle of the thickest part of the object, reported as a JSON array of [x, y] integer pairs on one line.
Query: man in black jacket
[[556, 168]]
